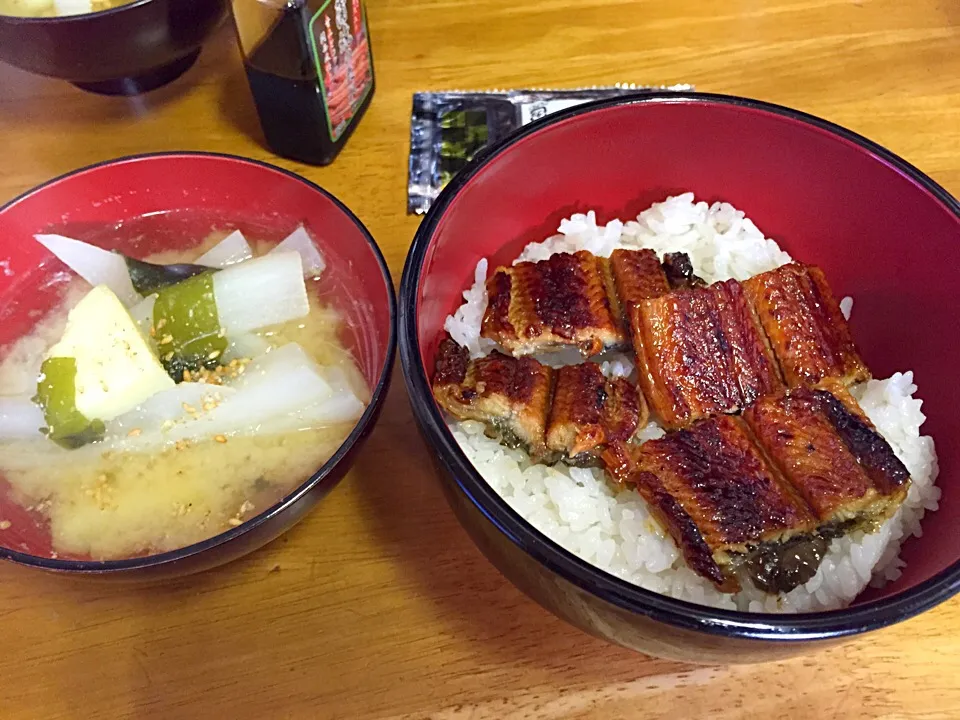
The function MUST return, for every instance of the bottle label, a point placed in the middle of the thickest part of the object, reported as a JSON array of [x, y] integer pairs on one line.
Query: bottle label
[[341, 49]]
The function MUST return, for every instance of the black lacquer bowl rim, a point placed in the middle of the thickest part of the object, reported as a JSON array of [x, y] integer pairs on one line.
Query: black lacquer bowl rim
[[285, 504], [608, 588]]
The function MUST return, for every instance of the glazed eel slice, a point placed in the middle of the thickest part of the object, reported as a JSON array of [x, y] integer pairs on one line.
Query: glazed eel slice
[[809, 335], [700, 352], [828, 449], [569, 414], [761, 496], [563, 301], [511, 396], [714, 492], [591, 411]]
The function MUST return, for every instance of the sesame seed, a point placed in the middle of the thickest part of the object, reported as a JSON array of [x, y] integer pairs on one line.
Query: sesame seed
[[135, 432], [220, 438], [166, 339], [234, 522], [214, 355], [5, 524]]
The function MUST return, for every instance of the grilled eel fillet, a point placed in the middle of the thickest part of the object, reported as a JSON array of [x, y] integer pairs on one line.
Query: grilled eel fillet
[[570, 414], [544, 306], [716, 495], [700, 352], [639, 275], [808, 333], [825, 446], [590, 411], [755, 494], [511, 396]]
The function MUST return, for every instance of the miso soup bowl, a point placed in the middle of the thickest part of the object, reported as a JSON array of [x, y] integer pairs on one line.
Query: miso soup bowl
[[829, 197], [178, 197]]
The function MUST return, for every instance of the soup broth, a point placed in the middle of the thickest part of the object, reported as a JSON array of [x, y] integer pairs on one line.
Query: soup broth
[[111, 504]]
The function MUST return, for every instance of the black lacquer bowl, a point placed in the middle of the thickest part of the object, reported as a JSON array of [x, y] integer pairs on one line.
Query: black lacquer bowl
[[827, 195], [124, 51]]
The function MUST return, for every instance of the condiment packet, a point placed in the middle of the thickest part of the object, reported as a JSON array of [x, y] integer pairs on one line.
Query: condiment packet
[[448, 128]]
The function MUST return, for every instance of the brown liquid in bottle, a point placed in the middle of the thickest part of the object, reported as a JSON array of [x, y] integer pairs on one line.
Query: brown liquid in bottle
[[311, 76]]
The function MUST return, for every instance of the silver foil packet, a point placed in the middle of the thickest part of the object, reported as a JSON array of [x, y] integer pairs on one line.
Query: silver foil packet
[[447, 129]]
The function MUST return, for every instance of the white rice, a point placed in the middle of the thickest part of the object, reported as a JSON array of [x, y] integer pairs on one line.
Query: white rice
[[613, 529]]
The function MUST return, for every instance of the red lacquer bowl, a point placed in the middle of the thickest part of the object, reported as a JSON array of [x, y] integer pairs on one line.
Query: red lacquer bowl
[[175, 199], [882, 231]]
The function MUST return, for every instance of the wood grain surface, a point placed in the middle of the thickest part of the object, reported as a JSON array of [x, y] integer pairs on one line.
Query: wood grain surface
[[378, 605]]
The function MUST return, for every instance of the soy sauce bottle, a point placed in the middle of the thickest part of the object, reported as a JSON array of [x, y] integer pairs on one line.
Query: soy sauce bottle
[[310, 70]]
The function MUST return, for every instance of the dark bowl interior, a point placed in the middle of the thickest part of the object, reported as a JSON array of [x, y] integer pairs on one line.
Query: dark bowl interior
[[129, 49], [829, 197], [176, 199]]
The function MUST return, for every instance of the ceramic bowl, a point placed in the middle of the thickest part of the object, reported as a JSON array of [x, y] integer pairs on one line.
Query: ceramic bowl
[[883, 232], [176, 198]]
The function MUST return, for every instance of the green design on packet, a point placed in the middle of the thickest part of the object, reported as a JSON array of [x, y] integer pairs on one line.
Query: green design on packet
[[463, 133], [448, 129]]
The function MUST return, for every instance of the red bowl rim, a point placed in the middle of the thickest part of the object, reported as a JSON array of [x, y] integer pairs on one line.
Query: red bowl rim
[[101, 567], [679, 613]]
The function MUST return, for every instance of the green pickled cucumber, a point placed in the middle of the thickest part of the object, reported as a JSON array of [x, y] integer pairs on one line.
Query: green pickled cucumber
[[187, 327], [57, 396]]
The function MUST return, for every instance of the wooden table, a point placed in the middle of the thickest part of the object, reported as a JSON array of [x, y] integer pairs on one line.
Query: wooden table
[[378, 605]]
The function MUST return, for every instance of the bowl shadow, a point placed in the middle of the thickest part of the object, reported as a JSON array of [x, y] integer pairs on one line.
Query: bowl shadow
[[30, 100]]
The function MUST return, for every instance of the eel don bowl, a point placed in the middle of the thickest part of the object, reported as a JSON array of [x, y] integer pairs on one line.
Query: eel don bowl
[[163, 207], [881, 231], [126, 50]]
